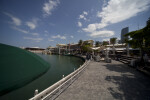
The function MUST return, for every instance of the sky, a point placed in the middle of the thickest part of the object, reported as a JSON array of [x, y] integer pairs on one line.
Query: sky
[[43, 23]]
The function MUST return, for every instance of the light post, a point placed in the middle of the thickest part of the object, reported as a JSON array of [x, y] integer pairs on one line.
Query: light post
[[127, 49]]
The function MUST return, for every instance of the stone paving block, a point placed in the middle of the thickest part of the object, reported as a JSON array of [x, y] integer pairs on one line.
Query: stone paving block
[[108, 81]]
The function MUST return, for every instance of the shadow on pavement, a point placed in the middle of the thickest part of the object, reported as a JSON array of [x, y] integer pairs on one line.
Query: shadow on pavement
[[129, 84]]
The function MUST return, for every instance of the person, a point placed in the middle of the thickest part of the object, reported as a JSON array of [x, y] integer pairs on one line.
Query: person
[[88, 56], [98, 58], [91, 56], [145, 57]]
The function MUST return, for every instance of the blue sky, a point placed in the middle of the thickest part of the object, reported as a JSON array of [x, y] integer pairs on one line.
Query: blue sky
[[41, 23]]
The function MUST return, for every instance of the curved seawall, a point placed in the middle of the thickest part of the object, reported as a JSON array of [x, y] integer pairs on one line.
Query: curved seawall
[[18, 67], [59, 65]]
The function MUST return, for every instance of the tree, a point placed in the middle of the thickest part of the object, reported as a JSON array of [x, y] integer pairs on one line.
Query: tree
[[146, 31], [97, 43], [80, 43], [113, 41], [140, 38], [86, 48], [105, 43]]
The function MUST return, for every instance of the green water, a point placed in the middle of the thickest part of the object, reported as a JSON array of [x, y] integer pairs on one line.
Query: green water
[[18, 67], [59, 65]]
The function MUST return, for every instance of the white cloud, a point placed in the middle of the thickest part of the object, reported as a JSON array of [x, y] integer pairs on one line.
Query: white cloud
[[46, 31], [16, 21], [32, 24], [59, 37], [107, 39], [50, 40], [85, 13], [79, 24], [90, 28], [116, 11], [49, 6], [94, 27], [25, 31], [33, 39], [72, 36], [20, 30], [104, 33], [82, 16], [36, 34], [120, 10]]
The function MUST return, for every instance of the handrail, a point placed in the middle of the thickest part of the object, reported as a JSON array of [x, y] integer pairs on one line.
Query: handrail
[[58, 86]]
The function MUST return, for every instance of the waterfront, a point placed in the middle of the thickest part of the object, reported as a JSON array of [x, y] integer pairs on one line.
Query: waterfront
[[60, 65], [108, 81]]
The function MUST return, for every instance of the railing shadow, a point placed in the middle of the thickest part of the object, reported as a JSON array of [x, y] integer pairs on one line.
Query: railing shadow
[[129, 85]]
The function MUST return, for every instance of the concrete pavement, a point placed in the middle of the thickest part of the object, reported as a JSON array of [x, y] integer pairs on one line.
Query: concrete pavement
[[108, 81]]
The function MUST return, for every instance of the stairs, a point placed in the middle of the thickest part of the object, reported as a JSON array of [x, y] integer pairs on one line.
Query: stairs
[[126, 59]]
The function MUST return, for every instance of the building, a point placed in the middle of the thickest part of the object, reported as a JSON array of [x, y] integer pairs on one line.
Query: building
[[119, 48], [52, 50], [118, 41], [62, 48], [35, 49], [67, 48], [89, 42], [123, 32]]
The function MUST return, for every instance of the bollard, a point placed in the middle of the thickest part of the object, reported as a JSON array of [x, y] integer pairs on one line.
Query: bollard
[[36, 92], [63, 76]]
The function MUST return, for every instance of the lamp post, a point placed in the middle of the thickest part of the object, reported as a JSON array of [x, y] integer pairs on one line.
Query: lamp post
[[127, 49]]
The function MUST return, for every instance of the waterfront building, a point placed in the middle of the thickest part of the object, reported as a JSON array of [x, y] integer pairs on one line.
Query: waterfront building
[[73, 48], [62, 48], [123, 32], [118, 41], [52, 50], [35, 49], [89, 42]]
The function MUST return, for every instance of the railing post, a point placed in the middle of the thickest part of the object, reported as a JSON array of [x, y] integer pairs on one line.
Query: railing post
[[36, 92], [71, 80], [63, 76]]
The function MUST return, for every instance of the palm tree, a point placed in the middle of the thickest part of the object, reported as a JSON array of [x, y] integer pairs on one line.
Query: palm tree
[[105, 43], [113, 41], [97, 43], [80, 43]]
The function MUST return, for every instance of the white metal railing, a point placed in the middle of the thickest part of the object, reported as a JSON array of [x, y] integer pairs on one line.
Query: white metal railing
[[56, 89]]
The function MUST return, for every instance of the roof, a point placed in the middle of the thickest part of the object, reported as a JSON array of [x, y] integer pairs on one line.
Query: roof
[[61, 45], [120, 49], [95, 48], [117, 44]]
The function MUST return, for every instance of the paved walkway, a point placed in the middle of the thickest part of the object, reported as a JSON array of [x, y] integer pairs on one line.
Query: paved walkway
[[108, 81]]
